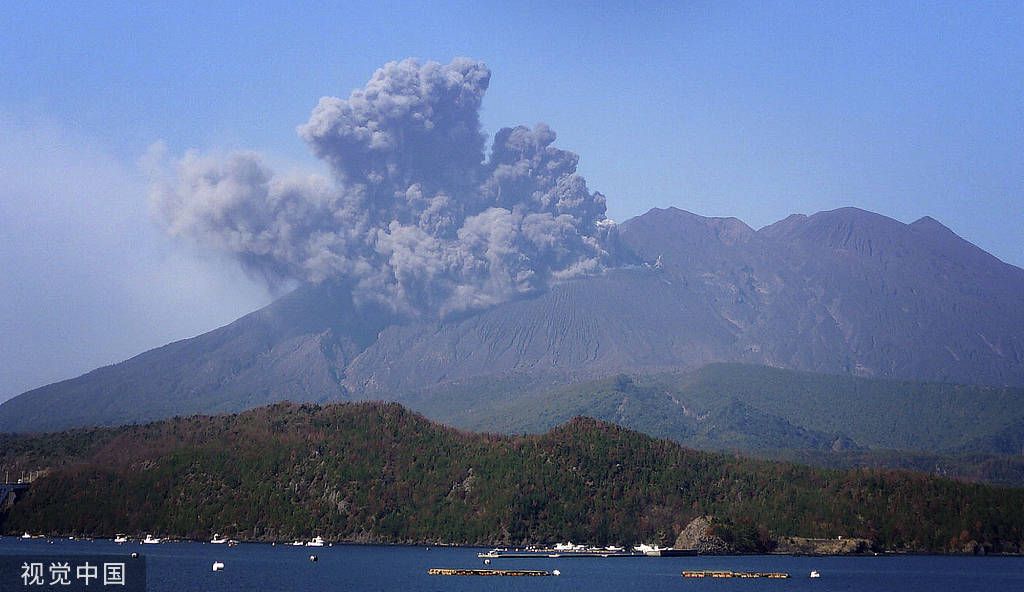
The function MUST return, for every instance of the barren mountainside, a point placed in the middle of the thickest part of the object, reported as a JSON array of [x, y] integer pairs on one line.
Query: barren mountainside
[[849, 291], [841, 292]]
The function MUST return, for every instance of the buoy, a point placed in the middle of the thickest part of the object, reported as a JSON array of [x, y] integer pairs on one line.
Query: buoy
[[312, 558], [556, 573], [135, 555], [487, 561], [218, 565]]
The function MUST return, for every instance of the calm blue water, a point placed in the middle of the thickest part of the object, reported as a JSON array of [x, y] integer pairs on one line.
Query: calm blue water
[[178, 567]]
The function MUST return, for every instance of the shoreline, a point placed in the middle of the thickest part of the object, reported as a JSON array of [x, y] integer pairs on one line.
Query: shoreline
[[137, 540]]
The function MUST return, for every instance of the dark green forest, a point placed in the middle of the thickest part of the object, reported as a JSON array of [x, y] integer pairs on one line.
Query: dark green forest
[[375, 472]]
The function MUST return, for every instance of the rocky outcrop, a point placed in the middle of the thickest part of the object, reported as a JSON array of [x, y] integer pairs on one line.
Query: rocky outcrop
[[699, 535]]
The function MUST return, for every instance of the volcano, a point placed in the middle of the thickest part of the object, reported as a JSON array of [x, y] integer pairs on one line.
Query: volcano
[[839, 292]]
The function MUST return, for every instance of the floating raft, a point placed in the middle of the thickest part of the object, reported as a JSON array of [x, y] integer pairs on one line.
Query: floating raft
[[487, 572], [735, 574]]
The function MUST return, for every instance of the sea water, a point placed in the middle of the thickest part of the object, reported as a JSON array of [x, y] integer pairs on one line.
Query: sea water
[[186, 566]]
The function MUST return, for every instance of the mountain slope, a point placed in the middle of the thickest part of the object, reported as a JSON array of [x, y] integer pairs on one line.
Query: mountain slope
[[584, 327], [910, 301], [849, 291], [840, 292], [297, 348]]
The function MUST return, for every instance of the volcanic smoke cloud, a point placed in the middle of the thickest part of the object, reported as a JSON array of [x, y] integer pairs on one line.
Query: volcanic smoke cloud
[[415, 218]]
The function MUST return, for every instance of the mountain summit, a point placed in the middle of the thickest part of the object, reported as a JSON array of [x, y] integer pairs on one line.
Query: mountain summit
[[843, 292]]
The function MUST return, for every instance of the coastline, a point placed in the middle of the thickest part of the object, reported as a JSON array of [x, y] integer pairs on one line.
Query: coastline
[[817, 548]]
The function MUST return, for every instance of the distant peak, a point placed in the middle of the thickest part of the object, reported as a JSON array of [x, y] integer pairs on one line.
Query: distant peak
[[929, 223], [852, 213], [849, 210], [844, 215], [671, 210], [730, 224], [783, 226]]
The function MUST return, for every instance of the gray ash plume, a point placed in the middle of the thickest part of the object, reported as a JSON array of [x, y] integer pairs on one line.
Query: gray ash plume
[[414, 217]]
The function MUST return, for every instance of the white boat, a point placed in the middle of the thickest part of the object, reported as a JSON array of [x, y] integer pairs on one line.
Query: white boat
[[316, 542], [120, 538], [815, 574], [297, 544], [150, 540], [26, 536], [218, 540]]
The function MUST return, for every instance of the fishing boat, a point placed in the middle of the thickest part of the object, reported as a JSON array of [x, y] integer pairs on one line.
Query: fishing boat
[[120, 538], [218, 540], [150, 540], [656, 551]]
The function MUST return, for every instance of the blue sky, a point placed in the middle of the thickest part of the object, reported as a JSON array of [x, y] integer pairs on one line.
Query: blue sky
[[725, 109]]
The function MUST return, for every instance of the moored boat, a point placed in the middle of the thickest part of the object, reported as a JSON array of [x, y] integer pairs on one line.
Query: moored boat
[[656, 551], [568, 550], [671, 552]]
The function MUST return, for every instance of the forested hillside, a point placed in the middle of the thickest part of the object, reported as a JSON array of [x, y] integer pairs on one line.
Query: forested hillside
[[377, 472]]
